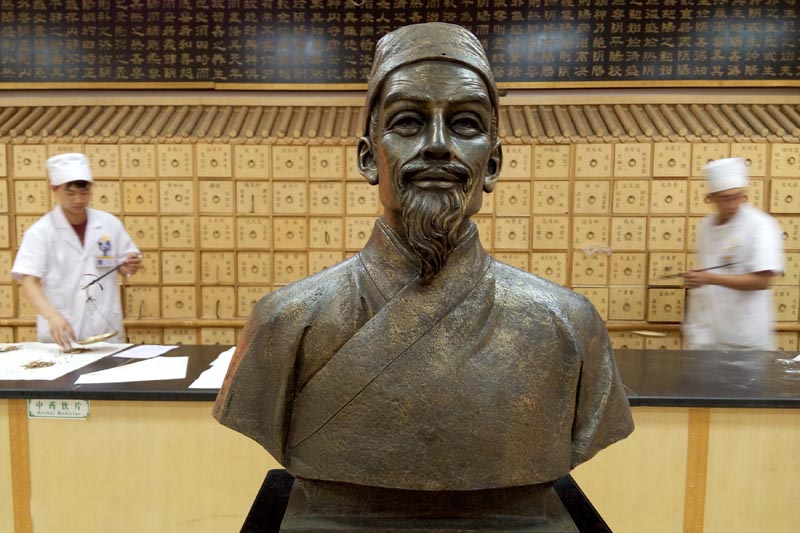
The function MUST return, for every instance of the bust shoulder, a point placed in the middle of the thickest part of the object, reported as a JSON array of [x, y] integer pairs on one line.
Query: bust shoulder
[[524, 292]]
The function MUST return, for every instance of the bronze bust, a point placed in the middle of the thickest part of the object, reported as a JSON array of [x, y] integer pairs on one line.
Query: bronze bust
[[421, 366]]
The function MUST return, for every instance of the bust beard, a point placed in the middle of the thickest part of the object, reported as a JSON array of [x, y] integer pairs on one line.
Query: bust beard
[[432, 220]]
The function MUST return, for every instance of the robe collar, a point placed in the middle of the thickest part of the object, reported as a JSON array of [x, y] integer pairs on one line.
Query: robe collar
[[392, 265]]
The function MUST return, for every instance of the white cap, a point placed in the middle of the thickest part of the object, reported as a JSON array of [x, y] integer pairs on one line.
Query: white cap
[[724, 174], [63, 168]]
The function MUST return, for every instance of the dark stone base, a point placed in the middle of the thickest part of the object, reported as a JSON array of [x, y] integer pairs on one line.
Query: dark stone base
[[322, 507]]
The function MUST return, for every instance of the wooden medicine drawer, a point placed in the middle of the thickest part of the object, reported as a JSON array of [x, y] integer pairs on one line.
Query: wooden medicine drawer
[[31, 196], [631, 197], [551, 162], [628, 233], [589, 269], [326, 198], [142, 302], [628, 268], [218, 302], [669, 196], [144, 230], [254, 233], [672, 160], [626, 303], [254, 267], [106, 196], [785, 197], [591, 197], [663, 264], [593, 160], [326, 233], [29, 160], [177, 196], [140, 196], [175, 161], [785, 303], [251, 161], [326, 162], [217, 267], [550, 233], [289, 266], [213, 160], [178, 302], [632, 160], [754, 155], [516, 162], [785, 160], [289, 198], [177, 232], [665, 305], [178, 267], [253, 198], [705, 153], [362, 199], [667, 233], [104, 160], [551, 197], [590, 231], [550, 265], [357, 231], [290, 233], [512, 198], [138, 160], [216, 197], [289, 162], [511, 233]]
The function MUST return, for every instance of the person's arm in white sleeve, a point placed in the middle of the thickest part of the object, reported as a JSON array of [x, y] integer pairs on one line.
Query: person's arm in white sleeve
[[60, 329]]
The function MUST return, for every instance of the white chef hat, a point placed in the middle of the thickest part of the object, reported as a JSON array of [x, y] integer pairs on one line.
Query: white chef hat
[[724, 174], [63, 168]]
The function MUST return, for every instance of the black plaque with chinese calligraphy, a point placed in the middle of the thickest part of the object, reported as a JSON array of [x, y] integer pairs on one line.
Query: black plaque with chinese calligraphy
[[329, 43]]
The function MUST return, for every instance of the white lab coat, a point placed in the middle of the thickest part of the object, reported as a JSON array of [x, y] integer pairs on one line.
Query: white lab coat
[[720, 318], [52, 251]]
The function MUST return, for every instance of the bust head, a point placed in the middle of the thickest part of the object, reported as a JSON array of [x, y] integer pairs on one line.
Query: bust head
[[430, 143]]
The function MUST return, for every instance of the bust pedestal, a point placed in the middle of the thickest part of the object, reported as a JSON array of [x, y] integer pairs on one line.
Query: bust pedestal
[[327, 507]]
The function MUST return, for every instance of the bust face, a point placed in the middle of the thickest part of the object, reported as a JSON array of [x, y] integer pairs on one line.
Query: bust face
[[433, 136]]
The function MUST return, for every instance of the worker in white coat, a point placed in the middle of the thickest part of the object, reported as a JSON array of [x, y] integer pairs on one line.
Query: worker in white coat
[[739, 251], [67, 249]]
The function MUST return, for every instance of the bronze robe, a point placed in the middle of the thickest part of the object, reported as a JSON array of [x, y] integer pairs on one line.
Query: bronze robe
[[486, 377]]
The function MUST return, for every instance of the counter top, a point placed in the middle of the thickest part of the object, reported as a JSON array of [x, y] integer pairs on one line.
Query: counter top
[[663, 378]]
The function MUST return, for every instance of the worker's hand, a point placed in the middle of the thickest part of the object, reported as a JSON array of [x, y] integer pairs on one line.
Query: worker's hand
[[61, 331], [132, 264], [693, 279]]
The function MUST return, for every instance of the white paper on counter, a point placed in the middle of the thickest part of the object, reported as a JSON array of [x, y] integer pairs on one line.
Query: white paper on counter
[[155, 369], [12, 363], [145, 351], [213, 377]]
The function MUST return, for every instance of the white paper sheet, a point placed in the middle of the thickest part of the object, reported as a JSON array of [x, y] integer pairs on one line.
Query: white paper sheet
[[145, 351], [214, 376], [13, 363], [154, 369]]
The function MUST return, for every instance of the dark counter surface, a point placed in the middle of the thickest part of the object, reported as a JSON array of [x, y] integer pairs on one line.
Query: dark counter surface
[[684, 378], [663, 378]]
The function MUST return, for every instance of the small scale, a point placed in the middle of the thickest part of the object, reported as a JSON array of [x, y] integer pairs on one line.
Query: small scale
[[90, 300]]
